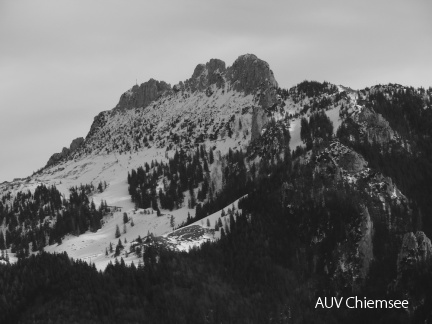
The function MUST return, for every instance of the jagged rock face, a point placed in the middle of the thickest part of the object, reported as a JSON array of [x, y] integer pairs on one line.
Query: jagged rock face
[[377, 128], [249, 72], [259, 119], [141, 96], [206, 75], [365, 247], [98, 122], [266, 97], [55, 158], [345, 157], [76, 143], [214, 104], [424, 246], [352, 161], [416, 248]]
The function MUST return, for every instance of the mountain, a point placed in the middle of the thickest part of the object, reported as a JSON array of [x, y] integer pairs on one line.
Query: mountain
[[217, 109], [316, 190]]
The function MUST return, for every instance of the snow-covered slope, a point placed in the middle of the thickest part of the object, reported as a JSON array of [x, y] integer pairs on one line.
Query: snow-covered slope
[[218, 109]]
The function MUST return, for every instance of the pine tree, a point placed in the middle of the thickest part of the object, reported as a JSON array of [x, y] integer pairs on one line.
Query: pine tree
[[192, 201], [172, 221], [132, 223], [211, 156], [222, 233], [2, 241], [125, 218], [117, 232], [208, 222], [219, 222]]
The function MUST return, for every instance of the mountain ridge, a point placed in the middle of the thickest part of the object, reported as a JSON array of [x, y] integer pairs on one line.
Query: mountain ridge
[[220, 140]]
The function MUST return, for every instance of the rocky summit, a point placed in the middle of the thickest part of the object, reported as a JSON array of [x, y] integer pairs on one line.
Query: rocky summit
[[56, 157]]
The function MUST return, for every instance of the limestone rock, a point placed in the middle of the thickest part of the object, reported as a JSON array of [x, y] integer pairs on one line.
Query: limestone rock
[[206, 75], [252, 75], [249, 73], [377, 128], [76, 143], [424, 246], [54, 158], [143, 95], [352, 161], [365, 247], [416, 248]]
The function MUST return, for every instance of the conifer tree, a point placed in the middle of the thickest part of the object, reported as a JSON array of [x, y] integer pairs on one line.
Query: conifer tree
[[2, 241], [222, 233], [117, 232], [219, 222], [211, 157], [192, 200]]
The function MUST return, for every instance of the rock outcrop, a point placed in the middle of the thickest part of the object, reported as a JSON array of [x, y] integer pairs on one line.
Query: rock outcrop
[[206, 75], [249, 73], [352, 161], [377, 129], [365, 246], [143, 95], [416, 249], [76, 143]]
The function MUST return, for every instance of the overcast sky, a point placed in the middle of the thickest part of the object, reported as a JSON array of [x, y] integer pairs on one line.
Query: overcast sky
[[62, 62]]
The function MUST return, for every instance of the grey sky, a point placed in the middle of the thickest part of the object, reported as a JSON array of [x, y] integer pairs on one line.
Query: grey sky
[[62, 62]]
